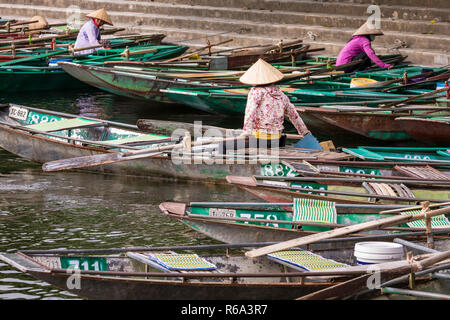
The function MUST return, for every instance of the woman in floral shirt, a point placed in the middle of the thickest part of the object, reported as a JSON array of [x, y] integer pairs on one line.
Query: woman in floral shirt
[[267, 105]]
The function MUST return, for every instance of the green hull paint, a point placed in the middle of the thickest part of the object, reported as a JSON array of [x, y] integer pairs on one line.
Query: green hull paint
[[401, 154], [276, 213]]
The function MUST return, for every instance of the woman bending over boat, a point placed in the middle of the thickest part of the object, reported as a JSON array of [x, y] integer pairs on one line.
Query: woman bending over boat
[[360, 47], [89, 34], [267, 106]]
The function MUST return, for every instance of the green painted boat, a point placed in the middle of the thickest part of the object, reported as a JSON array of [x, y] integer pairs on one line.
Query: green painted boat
[[272, 222], [129, 82], [232, 100], [207, 272], [401, 154], [43, 136], [345, 189], [14, 78]]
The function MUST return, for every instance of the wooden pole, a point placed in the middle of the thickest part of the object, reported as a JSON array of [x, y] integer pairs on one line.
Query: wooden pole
[[196, 51], [429, 229], [343, 231], [420, 96], [106, 158]]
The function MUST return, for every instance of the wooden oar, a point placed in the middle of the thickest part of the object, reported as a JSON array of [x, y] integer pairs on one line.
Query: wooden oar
[[167, 127], [370, 225], [197, 51], [428, 80], [420, 96], [106, 158]]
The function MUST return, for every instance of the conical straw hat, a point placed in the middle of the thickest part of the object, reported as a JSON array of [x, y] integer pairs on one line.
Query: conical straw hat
[[100, 14], [40, 24], [366, 29], [261, 73]]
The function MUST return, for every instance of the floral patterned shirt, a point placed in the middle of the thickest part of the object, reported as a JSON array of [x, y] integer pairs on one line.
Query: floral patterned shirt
[[265, 111]]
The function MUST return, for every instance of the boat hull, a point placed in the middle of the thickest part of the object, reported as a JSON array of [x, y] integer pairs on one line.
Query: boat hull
[[136, 86], [19, 81], [429, 131]]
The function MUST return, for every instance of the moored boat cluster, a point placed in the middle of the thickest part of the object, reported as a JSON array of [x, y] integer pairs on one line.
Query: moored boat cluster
[[328, 212]]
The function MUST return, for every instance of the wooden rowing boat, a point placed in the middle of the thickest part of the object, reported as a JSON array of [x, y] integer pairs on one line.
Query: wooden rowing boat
[[125, 82], [43, 136], [232, 100], [133, 273], [434, 130], [401, 154], [375, 123], [344, 190], [273, 222]]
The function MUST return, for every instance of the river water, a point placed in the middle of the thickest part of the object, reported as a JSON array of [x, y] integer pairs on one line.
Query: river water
[[41, 210]]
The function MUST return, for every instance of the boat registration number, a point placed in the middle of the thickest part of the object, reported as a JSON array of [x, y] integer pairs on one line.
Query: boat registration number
[[219, 212], [277, 170], [371, 171], [18, 113], [95, 264]]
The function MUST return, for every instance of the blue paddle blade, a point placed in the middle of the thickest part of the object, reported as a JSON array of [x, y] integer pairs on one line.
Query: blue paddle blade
[[308, 142]]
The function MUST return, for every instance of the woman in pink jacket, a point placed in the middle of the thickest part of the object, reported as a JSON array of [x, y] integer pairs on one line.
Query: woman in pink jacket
[[360, 47]]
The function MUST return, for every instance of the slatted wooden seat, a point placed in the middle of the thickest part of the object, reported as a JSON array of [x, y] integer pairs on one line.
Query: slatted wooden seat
[[436, 222], [66, 124], [172, 262], [314, 210], [424, 172], [304, 260], [388, 189]]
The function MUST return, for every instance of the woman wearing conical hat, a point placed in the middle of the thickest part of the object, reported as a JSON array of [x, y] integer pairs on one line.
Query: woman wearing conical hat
[[360, 47], [89, 34], [267, 106]]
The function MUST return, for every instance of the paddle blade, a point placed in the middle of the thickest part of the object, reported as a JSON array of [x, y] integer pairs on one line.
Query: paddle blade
[[94, 160], [308, 142]]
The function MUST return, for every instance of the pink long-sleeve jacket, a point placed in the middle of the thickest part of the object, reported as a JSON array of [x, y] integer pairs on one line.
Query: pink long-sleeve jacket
[[354, 47]]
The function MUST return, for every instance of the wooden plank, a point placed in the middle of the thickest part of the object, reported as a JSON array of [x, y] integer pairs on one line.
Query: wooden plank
[[107, 158], [370, 225], [65, 124]]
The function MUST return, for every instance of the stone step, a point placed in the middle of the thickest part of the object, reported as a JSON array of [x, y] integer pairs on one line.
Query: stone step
[[408, 3], [432, 5], [271, 29], [314, 13], [196, 38]]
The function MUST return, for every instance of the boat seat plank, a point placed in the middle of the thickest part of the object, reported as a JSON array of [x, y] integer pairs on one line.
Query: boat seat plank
[[66, 124], [174, 263], [153, 138], [303, 260], [423, 172]]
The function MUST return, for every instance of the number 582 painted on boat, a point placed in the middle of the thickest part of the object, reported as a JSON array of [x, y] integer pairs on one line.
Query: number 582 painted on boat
[[247, 309]]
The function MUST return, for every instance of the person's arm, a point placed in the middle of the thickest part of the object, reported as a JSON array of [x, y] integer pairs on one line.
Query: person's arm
[[367, 47], [294, 118], [253, 100]]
